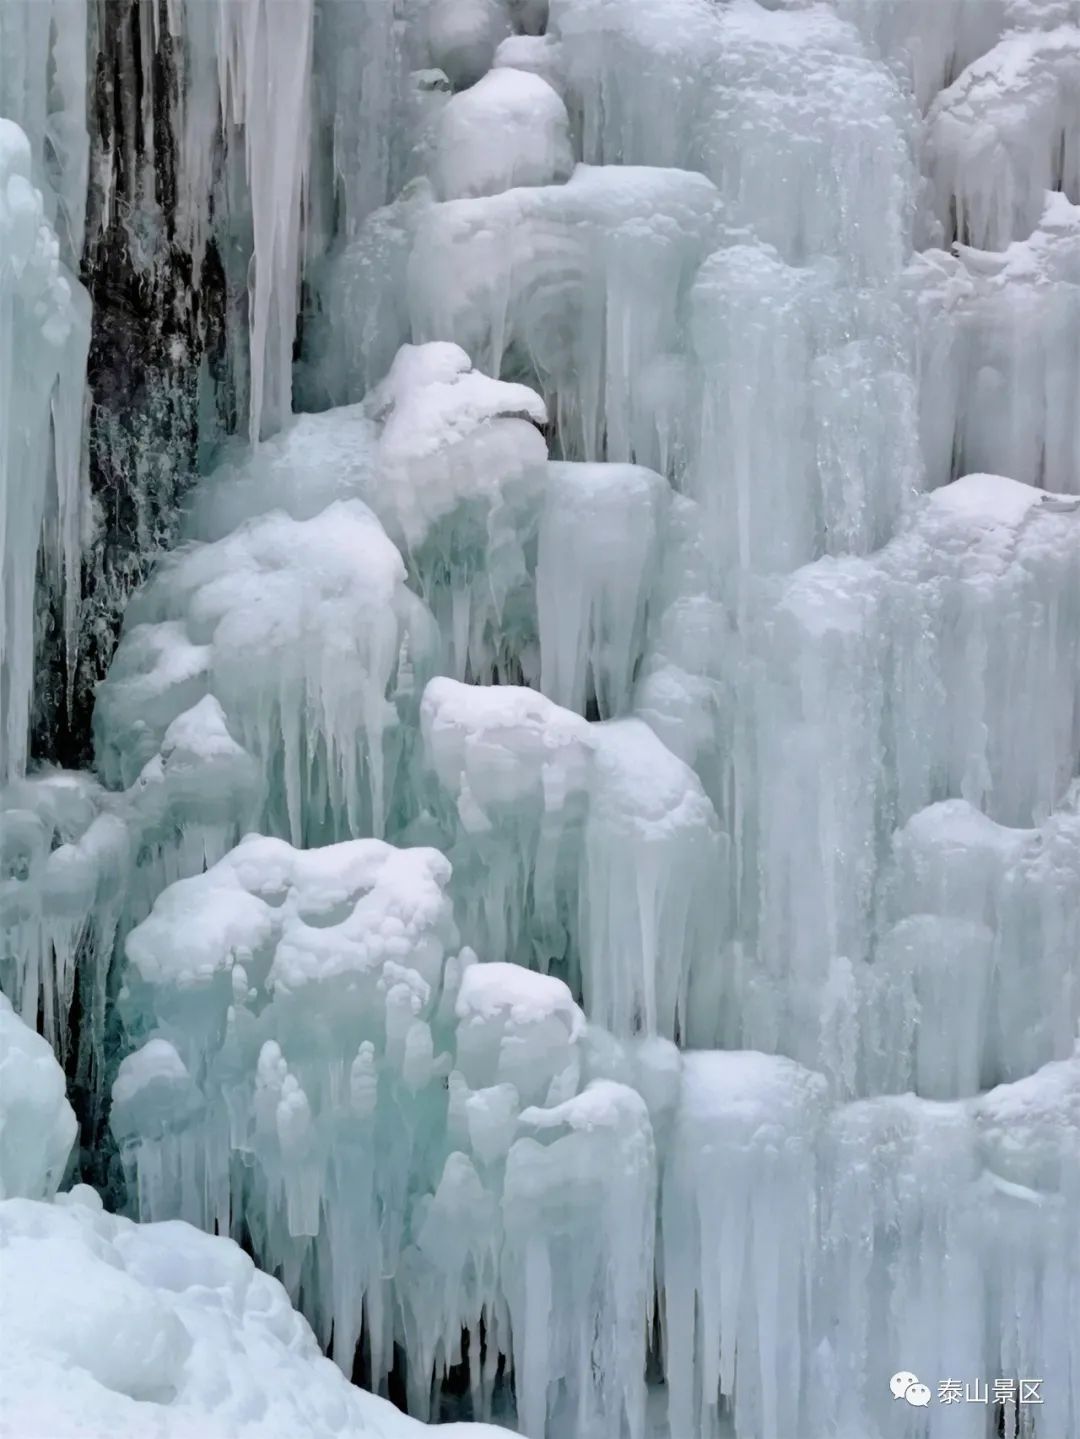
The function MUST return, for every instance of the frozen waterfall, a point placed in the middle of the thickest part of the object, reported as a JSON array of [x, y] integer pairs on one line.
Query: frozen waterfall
[[540, 718]]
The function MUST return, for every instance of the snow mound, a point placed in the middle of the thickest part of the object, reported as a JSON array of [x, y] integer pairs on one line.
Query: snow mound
[[510, 128], [130, 1329], [37, 1124], [462, 36]]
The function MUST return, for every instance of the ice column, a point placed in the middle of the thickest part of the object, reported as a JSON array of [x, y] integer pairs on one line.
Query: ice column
[[44, 337]]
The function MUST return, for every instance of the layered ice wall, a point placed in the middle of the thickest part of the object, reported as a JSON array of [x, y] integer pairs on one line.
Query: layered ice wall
[[583, 872]]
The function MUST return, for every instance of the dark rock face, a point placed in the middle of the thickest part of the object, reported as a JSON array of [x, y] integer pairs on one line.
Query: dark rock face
[[159, 374]]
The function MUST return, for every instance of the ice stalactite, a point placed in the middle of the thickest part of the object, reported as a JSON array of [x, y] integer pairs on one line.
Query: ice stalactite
[[999, 342], [587, 849], [119, 1325], [44, 336], [43, 88], [264, 77], [268, 621], [1003, 134], [656, 679], [327, 1026]]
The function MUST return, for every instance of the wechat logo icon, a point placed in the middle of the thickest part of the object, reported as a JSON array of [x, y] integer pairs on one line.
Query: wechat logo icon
[[905, 1385]]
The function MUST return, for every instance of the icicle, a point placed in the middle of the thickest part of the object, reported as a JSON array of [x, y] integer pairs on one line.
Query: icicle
[[44, 338], [264, 78]]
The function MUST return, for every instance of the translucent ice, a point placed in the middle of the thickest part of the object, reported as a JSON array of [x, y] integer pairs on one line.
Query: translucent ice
[[66, 860], [983, 949], [43, 88], [43, 346], [799, 421], [784, 109], [738, 1233], [323, 1066]]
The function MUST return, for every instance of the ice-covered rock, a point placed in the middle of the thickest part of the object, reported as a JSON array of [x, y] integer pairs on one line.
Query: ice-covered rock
[[527, 281], [461, 465], [589, 849], [322, 1066], [273, 989], [1003, 134], [37, 1124], [999, 342], [66, 860], [931, 39], [82, 864], [780, 107], [300, 630], [799, 421], [124, 1329], [949, 1237], [512, 771], [578, 1202], [510, 128], [450, 461]]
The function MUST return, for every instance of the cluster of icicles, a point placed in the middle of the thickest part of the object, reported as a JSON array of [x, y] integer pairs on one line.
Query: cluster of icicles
[[585, 854]]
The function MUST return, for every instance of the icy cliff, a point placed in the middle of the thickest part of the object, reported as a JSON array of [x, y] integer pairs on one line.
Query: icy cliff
[[580, 870]]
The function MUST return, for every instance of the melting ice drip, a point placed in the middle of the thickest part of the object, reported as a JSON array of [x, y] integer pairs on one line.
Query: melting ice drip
[[656, 685]]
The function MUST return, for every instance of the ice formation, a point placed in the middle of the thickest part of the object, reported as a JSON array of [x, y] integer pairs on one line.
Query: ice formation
[[587, 848], [299, 629], [43, 343], [115, 1327], [999, 337], [582, 870], [37, 1124]]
